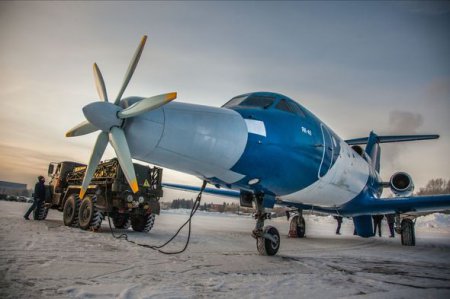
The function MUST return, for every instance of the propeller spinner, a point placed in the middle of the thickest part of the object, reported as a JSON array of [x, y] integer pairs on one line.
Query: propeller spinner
[[109, 118]]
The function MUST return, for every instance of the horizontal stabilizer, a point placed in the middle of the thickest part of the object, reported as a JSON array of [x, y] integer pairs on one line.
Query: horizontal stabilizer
[[214, 191], [393, 138]]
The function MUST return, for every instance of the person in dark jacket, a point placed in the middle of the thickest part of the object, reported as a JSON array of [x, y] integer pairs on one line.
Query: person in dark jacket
[[39, 196], [377, 224], [339, 221], [390, 218]]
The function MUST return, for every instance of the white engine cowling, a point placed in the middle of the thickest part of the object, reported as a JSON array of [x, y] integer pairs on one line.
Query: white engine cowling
[[401, 184]]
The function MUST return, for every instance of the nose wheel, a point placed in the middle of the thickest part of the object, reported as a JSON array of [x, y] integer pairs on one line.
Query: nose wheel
[[267, 237], [269, 242]]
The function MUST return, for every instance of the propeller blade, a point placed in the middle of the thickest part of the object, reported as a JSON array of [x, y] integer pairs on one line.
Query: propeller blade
[[97, 153], [131, 68], [120, 145], [147, 104], [81, 129], [100, 84]]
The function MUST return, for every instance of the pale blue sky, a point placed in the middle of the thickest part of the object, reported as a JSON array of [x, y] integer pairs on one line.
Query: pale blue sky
[[357, 65]]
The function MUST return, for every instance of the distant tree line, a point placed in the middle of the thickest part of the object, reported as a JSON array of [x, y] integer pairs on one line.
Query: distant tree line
[[435, 186], [182, 204]]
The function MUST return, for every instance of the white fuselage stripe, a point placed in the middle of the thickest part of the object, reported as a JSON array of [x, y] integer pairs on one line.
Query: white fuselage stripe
[[343, 182]]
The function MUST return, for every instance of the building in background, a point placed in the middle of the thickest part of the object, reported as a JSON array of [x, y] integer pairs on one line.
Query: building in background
[[11, 188]]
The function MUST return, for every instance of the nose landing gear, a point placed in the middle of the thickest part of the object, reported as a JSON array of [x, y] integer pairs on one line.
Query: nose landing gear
[[267, 238]]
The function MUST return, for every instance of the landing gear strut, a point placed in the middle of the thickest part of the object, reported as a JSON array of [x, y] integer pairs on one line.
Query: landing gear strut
[[297, 226], [267, 238]]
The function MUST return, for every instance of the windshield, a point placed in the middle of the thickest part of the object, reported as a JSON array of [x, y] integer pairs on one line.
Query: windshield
[[251, 101], [290, 106]]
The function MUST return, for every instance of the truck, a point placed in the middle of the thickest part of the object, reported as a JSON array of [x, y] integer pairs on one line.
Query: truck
[[108, 194]]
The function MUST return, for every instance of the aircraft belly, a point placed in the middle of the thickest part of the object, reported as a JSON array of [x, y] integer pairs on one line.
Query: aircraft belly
[[199, 140], [343, 182]]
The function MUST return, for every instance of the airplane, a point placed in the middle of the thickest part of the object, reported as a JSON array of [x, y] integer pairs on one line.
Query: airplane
[[261, 147]]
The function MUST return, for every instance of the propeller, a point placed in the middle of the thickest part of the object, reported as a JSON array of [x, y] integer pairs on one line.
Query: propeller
[[109, 119]]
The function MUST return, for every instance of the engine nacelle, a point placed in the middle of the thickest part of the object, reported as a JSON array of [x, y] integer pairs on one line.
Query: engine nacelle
[[401, 184]]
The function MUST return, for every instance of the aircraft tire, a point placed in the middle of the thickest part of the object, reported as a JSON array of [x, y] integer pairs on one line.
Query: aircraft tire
[[297, 227], [408, 235], [70, 211], [266, 246]]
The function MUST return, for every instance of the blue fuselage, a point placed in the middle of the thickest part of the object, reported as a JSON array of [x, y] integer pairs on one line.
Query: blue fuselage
[[259, 142]]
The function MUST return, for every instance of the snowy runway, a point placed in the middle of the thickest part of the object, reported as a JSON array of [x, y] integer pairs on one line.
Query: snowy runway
[[45, 259]]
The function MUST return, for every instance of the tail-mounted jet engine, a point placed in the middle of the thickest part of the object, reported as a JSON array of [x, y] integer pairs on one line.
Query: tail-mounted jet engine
[[401, 184]]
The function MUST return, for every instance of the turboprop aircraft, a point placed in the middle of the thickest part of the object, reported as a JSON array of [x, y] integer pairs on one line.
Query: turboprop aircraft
[[262, 147]]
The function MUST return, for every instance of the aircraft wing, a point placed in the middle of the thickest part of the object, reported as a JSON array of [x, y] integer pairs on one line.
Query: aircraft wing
[[389, 139], [214, 191], [427, 203]]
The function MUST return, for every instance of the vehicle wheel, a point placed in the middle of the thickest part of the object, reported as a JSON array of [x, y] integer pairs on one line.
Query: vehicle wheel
[[142, 223], [70, 211], [266, 246], [297, 227], [408, 235], [40, 213], [89, 216], [122, 221]]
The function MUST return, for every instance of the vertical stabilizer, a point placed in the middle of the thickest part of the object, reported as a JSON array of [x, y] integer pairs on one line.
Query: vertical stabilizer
[[373, 150]]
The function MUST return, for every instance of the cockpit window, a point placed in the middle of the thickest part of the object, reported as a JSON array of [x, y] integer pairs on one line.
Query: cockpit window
[[297, 109], [290, 107], [282, 105], [251, 101], [235, 101]]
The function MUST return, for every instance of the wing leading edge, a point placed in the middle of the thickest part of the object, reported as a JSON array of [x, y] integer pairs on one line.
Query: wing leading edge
[[214, 191], [367, 206]]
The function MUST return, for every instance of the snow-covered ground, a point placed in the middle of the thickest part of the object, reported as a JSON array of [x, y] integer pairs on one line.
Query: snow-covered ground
[[45, 259]]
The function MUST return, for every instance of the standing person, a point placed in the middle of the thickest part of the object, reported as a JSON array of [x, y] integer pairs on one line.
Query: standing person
[[39, 196], [377, 223], [339, 221], [390, 218]]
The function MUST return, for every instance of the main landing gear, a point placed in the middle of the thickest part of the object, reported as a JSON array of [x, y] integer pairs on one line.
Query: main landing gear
[[267, 238], [297, 227], [406, 229]]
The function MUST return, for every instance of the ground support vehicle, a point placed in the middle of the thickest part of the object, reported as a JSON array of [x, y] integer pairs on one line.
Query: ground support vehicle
[[108, 194]]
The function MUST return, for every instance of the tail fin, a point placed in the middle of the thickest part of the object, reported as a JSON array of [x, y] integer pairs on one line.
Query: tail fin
[[373, 144], [373, 150]]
